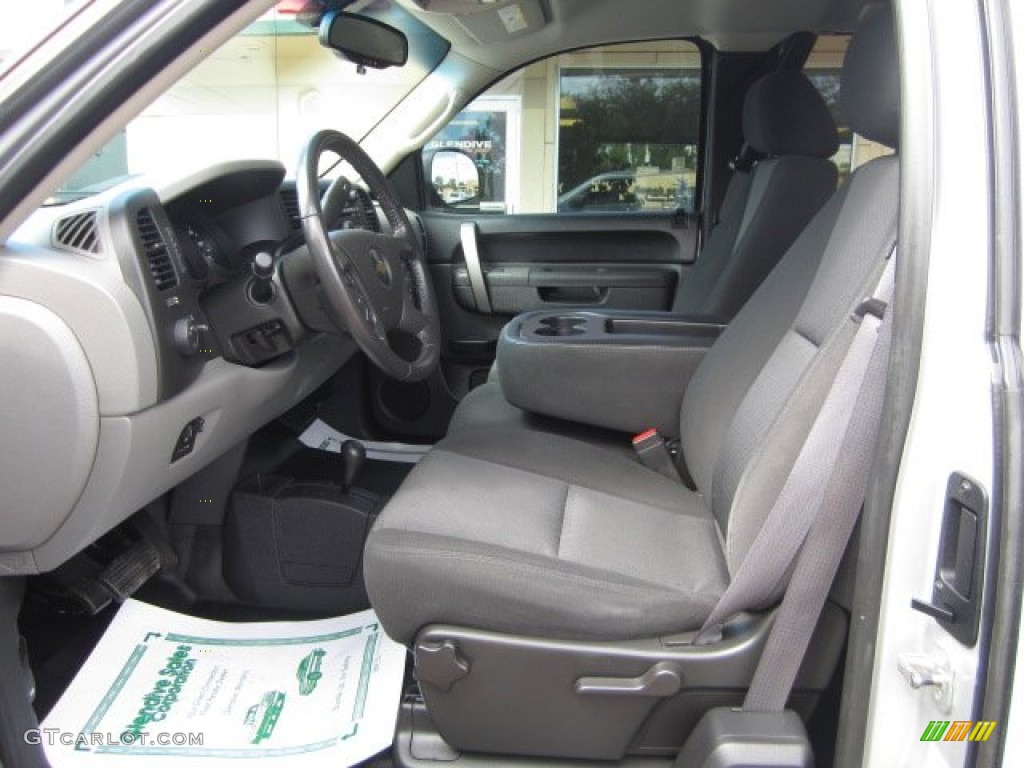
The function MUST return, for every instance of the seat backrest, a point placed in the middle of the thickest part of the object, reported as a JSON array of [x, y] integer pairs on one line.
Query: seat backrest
[[751, 403], [786, 121]]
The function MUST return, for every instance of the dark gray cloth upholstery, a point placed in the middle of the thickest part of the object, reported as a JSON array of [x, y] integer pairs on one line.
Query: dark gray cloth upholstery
[[544, 378], [762, 430], [763, 212], [785, 118], [783, 114], [486, 407], [521, 531], [868, 96], [761, 216]]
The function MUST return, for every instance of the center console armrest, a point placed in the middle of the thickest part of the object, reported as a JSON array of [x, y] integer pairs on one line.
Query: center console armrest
[[621, 370]]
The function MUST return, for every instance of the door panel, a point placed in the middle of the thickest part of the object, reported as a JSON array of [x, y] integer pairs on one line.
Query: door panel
[[531, 262], [608, 238], [514, 288]]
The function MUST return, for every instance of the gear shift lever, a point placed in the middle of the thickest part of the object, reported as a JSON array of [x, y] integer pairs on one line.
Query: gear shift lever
[[353, 454]]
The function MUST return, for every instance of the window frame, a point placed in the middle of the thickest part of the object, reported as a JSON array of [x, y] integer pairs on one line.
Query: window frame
[[702, 48]]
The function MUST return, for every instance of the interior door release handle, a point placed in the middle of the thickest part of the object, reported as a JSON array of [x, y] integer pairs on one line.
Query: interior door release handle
[[960, 566], [467, 233], [663, 679]]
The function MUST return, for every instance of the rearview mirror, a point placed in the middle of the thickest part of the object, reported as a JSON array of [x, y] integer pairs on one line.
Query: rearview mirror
[[364, 41]]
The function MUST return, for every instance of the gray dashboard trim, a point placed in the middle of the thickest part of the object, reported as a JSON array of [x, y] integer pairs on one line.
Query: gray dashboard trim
[[170, 189], [49, 420], [103, 313], [133, 455]]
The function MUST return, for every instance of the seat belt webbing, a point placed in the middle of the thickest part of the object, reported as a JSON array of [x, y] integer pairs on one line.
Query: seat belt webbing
[[824, 489], [837, 514], [786, 525]]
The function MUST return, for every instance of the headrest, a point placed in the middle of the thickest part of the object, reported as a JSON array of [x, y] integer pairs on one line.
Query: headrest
[[869, 93], [783, 114]]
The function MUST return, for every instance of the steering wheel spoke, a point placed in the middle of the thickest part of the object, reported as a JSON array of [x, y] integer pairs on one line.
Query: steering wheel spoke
[[413, 320], [375, 283], [364, 307]]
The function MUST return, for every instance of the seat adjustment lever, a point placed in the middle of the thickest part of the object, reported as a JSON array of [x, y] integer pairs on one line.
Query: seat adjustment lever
[[663, 679]]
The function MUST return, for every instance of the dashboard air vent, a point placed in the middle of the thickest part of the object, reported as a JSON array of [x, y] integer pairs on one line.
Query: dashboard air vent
[[369, 212], [157, 256], [78, 233], [290, 201]]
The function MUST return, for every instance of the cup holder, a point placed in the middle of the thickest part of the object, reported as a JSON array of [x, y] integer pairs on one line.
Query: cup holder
[[561, 326]]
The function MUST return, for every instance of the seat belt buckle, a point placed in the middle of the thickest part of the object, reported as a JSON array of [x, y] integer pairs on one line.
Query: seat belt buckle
[[652, 450]]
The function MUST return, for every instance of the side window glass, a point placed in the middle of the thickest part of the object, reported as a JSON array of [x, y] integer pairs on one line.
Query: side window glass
[[605, 130], [822, 68]]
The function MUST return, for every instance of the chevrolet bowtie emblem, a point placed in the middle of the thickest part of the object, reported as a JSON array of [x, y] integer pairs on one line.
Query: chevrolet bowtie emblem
[[380, 268]]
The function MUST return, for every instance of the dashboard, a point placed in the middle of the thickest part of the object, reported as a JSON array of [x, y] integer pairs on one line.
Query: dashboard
[[156, 325]]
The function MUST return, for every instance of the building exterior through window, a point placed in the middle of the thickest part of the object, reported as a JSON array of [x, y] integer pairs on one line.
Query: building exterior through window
[[608, 129]]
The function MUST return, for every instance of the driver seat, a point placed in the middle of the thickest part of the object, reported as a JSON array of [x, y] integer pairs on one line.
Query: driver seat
[[519, 564]]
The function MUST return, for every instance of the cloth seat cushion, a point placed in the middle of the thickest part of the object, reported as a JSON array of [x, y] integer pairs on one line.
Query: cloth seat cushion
[[487, 408], [546, 536]]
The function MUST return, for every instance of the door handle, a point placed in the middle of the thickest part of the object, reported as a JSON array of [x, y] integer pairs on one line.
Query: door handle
[[960, 567], [467, 234]]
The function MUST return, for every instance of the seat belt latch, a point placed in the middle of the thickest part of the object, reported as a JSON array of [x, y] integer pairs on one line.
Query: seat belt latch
[[653, 452]]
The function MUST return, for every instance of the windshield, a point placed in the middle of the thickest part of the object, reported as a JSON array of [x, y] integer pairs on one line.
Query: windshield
[[259, 96]]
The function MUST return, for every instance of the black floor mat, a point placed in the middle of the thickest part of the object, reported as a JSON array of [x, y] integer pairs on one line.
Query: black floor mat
[[241, 614], [276, 450], [58, 646]]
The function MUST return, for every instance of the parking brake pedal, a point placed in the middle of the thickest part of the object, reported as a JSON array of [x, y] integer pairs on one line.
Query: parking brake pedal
[[121, 578]]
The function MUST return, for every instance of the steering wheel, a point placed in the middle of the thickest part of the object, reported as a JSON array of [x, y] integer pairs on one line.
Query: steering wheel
[[376, 284]]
